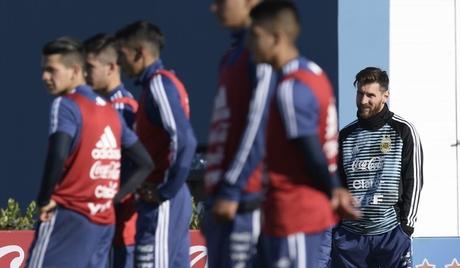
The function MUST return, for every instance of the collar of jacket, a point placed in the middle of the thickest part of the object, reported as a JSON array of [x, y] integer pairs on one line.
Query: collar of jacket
[[376, 121]]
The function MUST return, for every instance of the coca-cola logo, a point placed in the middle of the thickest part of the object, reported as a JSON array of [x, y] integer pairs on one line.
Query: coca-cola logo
[[17, 261], [109, 171], [198, 256], [373, 164]]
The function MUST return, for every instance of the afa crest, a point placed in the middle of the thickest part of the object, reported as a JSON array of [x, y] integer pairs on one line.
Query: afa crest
[[385, 144], [355, 151]]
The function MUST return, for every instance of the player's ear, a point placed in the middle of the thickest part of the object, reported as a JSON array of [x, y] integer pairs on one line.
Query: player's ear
[[113, 66], [386, 95], [138, 52], [277, 38], [251, 3], [77, 70]]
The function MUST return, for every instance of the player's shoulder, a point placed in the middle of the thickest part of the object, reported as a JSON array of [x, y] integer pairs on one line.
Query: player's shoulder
[[293, 85], [263, 68], [403, 126], [161, 81], [167, 81], [293, 93], [401, 121], [299, 68], [65, 102], [165, 77], [303, 64], [236, 58], [120, 92], [348, 129], [87, 93], [126, 93]]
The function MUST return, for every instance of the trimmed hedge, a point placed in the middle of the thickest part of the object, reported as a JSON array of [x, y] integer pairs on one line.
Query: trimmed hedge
[[11, 217]]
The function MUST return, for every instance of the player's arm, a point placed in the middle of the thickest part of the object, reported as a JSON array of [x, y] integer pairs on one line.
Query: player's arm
[[129, 116], [299, 109], [341, 200], [411, 178], [317, 164], [64, 121], [177, 125], [248, 155], [58, 151], [142, 163]]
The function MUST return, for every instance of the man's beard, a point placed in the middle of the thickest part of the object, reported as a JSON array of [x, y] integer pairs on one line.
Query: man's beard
[[367, 112]]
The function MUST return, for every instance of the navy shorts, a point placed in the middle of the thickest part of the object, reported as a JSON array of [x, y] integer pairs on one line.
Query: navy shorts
[[233, 243], [298, 250], [162, 232], [70, 240], [388, 250], [123, 256]]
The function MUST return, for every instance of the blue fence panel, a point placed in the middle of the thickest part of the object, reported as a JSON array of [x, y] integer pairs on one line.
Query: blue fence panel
[[436, 252]]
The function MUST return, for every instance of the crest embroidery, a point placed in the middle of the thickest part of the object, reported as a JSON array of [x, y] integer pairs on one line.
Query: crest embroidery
[[385, 144], [355, 151]]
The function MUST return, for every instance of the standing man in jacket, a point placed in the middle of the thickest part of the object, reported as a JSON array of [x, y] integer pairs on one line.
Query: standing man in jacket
[[381, 163]]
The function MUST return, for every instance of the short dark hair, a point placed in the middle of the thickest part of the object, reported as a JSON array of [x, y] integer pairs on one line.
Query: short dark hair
[[142, 31], [372, 75], [98, 43], [282, 12], [101, 43], [69, 47]]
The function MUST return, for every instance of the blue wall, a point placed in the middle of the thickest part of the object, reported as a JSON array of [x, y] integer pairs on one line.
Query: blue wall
[[194, 41], [436, 252], [363, 28]]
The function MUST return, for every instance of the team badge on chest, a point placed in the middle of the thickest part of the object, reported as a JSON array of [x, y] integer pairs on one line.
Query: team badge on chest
[[385, 144], [355, 151]]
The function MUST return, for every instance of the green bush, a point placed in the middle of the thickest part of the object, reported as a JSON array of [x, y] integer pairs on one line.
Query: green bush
[[11, 217], [195, 222]]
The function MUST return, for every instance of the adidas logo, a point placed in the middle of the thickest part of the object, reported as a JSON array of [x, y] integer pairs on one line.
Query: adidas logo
[[106, 147], [100, 101]]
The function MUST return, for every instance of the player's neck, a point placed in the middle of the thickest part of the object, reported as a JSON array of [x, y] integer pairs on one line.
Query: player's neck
[[78, 81], [284, 56], [72, 86], [112, 85], [105, 91], [243, 25], [149, 60]]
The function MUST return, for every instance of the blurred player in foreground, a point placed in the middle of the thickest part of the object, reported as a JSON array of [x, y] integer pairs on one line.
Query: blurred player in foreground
[[236, 145], [303, 189]]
